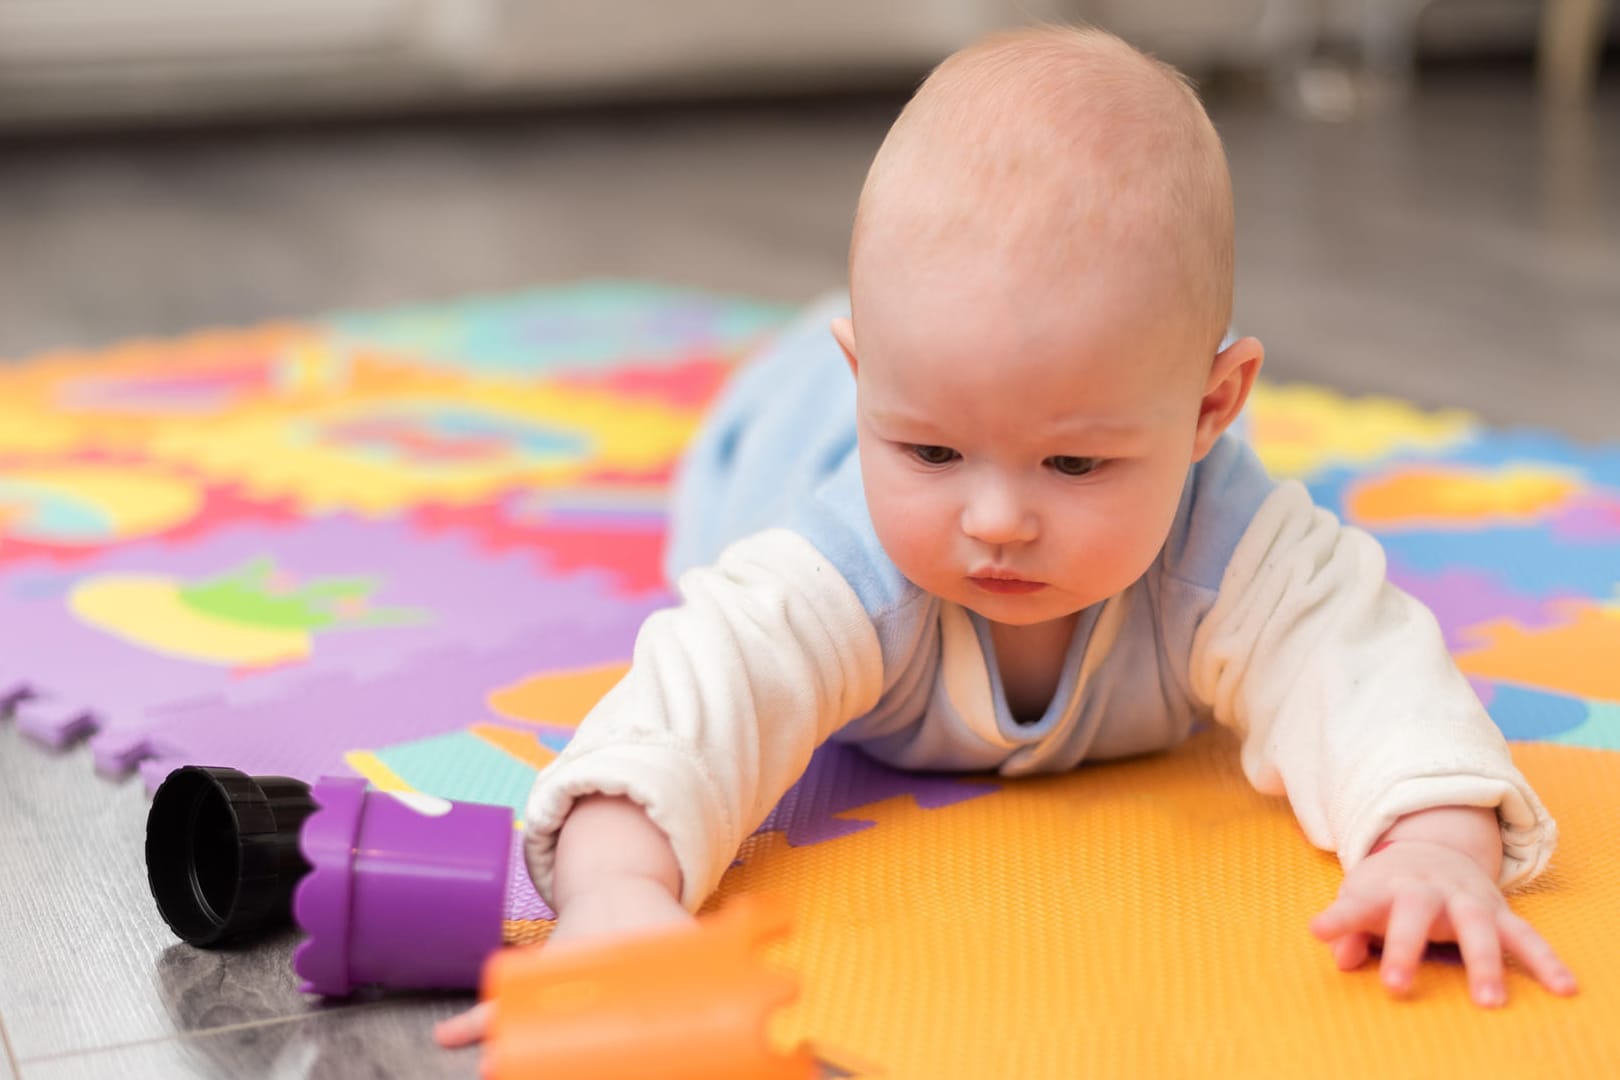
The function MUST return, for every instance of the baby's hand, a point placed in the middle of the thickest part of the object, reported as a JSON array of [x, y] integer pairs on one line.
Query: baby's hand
[[464, 1029], [1415, 891], [618, 909]]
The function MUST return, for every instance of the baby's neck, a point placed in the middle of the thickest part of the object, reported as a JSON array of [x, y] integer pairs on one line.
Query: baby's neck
[[1030, 660]]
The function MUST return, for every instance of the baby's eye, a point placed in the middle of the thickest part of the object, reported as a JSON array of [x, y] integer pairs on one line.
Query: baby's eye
[[933, 455], [1073, 466]]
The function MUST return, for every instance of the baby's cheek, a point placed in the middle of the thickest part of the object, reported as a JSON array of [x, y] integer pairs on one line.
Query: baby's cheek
[[1139, 530], [1112, 541], [901, 536], [912, 534]]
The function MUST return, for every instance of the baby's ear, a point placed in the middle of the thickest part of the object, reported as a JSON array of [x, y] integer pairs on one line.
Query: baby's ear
[[1230, 379], [844, 332]]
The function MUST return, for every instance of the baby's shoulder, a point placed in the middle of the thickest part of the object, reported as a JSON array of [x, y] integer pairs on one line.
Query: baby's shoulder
[[834, 519], [1223, 493]]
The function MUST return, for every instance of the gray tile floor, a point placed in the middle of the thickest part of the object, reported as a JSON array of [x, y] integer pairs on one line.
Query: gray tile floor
[[92, 984], [1466, 252], [346, 1044]]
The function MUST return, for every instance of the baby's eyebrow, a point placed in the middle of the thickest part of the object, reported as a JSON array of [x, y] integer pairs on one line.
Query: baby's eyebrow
[[1075, 437], [914, 422], [1095, 427]]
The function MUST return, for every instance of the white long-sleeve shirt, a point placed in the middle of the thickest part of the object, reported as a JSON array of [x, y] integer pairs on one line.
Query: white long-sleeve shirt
[[1261, 612]]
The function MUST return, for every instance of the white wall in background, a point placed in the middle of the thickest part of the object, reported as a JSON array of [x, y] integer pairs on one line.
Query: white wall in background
[[107, 59]]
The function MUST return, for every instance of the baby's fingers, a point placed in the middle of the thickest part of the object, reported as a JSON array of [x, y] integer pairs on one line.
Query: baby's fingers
[[1350, 951], [1533, 951], [1480, 942], [1350, 915], [1410, 918], [464, 1029]]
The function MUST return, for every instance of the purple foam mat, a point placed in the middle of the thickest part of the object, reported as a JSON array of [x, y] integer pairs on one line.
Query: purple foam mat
[[523, 903], [825, 802], [306, 730], [104, 644]]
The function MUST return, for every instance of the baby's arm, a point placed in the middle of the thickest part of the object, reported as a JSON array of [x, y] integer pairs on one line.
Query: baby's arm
[[727, 696], [615, 873], [1348, 703]]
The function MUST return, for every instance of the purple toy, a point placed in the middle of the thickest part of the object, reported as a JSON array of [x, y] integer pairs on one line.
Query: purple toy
[[404, 891]]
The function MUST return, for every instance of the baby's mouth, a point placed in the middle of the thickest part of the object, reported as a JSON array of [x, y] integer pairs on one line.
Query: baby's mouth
[[997, 583]]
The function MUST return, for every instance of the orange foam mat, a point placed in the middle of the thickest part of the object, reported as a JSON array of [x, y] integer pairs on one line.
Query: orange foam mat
[[1148, 918]]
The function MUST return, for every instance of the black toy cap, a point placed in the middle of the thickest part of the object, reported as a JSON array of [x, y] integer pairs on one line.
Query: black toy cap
[[222, 852]]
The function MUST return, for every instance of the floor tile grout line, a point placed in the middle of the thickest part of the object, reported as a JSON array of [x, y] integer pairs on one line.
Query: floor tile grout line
[[245, 1025]]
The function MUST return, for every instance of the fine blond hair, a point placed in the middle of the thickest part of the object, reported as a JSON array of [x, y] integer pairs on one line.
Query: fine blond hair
[[1055, 145]]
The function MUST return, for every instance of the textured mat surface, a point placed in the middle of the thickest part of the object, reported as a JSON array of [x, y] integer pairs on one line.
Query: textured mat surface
[[1148, 919], [416, 546]]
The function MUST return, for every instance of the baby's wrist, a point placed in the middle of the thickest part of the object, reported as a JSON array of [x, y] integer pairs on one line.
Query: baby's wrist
[[608, 845], [1473, 831], [615, 891]]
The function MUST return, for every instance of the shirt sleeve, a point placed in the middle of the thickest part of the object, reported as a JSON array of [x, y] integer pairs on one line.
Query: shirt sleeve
[[727, 696], [1344, 695]]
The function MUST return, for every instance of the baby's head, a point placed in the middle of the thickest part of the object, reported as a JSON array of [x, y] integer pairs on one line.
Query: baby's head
[[1041, 275]]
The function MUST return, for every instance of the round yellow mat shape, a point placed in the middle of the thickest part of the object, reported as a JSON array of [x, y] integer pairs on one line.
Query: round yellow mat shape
[[1148, 918]]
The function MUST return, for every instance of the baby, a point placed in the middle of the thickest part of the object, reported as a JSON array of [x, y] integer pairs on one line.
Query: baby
[[994, 520]]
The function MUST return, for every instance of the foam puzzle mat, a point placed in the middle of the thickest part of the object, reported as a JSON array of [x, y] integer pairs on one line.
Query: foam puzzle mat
[[416, 546]]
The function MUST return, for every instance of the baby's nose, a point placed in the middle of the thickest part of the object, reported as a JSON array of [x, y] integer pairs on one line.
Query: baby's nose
[[996, 515]]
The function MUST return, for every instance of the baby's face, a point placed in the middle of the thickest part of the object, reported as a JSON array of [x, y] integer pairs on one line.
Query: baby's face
[[1022, 459]]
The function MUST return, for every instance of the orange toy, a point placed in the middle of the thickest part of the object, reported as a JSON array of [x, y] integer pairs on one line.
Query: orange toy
[[686, 1004]]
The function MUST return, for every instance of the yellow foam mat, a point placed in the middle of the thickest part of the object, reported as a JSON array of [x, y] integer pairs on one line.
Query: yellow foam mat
[[1148, 918]]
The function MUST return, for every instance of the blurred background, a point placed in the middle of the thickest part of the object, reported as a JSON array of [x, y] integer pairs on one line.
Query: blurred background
[[1428, 190]]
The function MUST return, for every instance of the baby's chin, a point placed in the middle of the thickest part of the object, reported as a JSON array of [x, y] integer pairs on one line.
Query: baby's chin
[[1022, 610]]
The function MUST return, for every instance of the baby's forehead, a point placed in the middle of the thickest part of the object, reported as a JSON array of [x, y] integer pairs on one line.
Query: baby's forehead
[[936, 286], [975, 325], [978, 397]]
